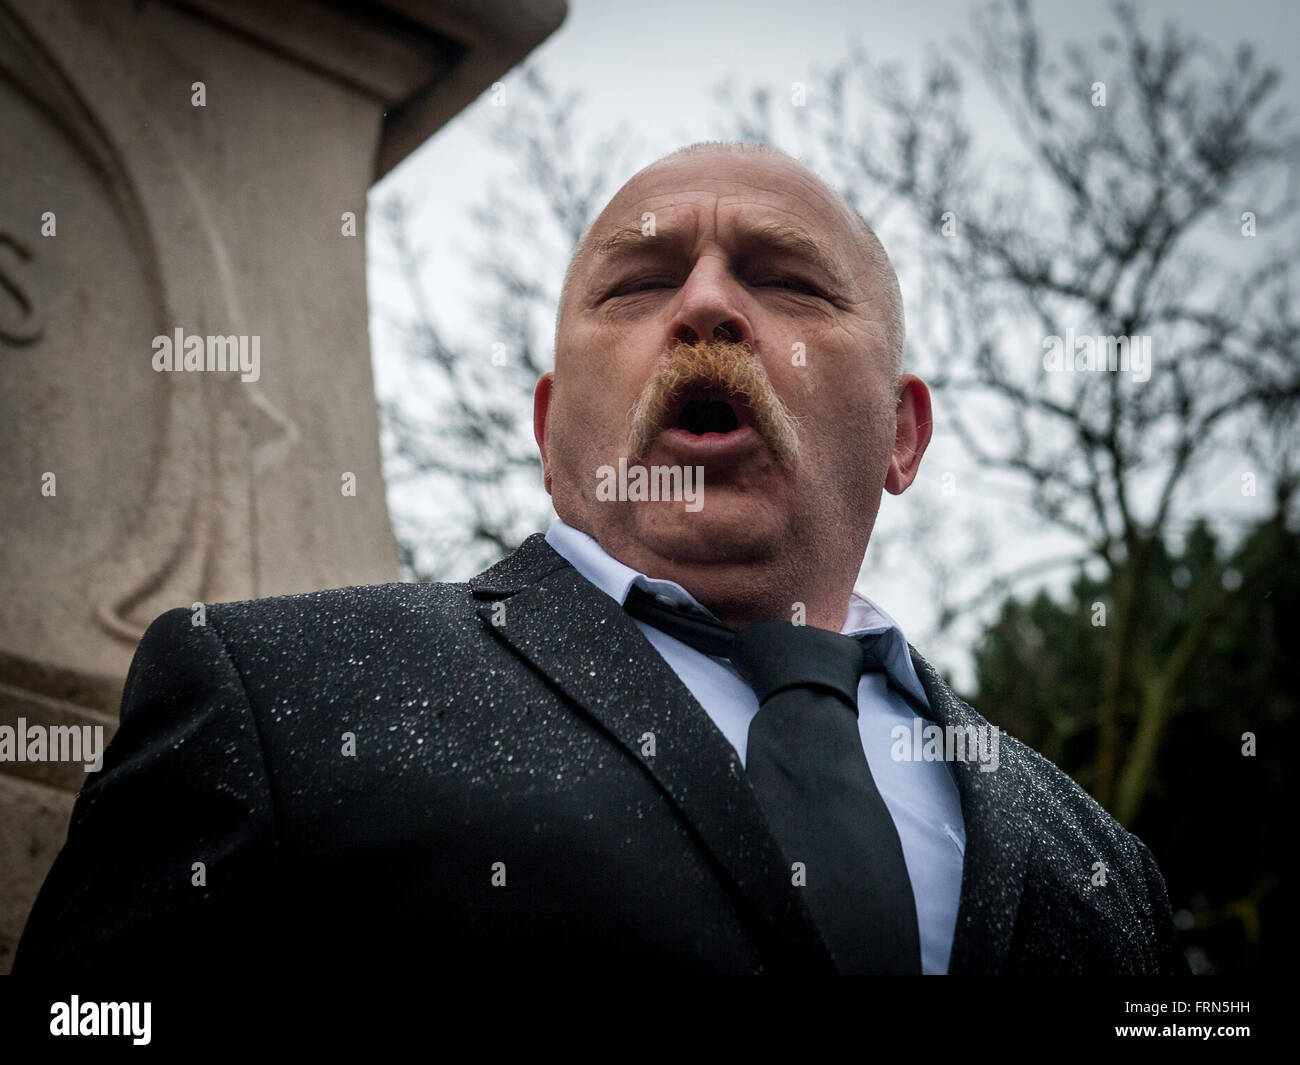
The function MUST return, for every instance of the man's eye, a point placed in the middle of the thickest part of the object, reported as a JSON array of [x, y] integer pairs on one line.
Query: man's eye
[[642, 285], [791, 283]]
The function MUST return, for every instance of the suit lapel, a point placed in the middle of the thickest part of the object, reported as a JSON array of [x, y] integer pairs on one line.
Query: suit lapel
[[998, 838], [582, 642]]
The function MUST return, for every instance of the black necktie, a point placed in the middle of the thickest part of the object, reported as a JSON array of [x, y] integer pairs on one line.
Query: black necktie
[[807, 767]]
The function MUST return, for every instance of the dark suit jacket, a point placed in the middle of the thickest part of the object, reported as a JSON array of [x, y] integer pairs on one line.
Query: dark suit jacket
[[507, 751]]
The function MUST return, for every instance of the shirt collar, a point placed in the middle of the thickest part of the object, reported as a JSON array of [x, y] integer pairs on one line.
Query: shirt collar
[[615, 579]]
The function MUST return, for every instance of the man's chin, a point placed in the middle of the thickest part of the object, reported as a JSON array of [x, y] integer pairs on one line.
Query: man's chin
[[722, 530]]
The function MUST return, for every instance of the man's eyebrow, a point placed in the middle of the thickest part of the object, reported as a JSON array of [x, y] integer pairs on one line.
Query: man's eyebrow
[[625, 238], [791, 239]]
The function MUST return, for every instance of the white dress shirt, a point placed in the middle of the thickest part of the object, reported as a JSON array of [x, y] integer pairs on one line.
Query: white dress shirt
[[921, 796]]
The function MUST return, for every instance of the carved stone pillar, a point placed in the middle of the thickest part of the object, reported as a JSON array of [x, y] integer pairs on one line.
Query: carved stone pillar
[[190, 166]]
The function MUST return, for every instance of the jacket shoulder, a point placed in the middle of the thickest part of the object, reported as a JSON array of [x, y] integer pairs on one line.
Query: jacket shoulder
[[313, 640], [337, 604]]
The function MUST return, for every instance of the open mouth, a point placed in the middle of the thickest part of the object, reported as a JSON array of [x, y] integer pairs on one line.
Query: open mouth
[[700, 414]]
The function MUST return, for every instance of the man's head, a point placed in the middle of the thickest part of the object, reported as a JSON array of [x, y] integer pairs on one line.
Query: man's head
[[728, 310]]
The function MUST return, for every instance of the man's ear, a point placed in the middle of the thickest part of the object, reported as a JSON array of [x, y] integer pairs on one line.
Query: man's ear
[[913, 434], [542, 423]]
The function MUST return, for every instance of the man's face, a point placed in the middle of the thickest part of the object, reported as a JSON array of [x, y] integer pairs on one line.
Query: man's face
[[795, 428]]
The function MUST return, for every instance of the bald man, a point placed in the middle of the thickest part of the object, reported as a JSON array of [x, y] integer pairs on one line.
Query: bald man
[[668, 735]]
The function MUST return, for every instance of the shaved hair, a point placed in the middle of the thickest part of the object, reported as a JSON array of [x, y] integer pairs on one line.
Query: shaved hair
[[864, 240]]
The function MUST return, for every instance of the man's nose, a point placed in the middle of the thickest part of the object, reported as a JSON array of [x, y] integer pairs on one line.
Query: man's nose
[[710, 307]]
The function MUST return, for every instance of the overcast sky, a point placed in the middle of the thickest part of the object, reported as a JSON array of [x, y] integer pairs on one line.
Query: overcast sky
[[654, 66]]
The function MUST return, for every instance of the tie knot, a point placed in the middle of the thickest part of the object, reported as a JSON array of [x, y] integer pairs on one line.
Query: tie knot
[[776, 655], [771, 655]]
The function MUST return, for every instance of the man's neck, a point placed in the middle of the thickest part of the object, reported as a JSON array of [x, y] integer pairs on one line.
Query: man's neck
[[741, 593]]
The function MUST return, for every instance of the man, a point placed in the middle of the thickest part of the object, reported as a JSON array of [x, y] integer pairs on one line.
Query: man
[[668, 735]]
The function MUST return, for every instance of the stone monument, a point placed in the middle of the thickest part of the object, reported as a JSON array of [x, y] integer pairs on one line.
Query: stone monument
[[187, 411]]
